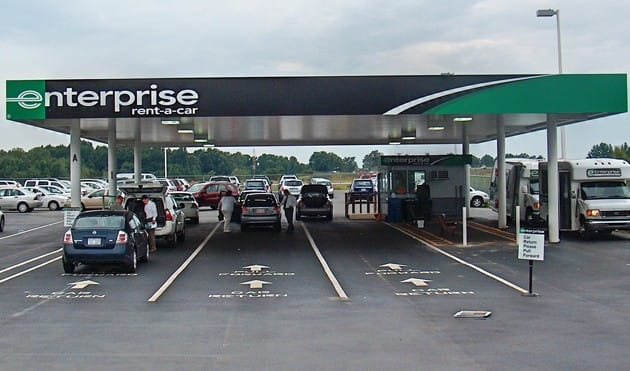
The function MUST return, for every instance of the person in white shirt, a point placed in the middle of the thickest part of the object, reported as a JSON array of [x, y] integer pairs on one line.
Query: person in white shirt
[[289, 203], [226, 205], [150, 220]]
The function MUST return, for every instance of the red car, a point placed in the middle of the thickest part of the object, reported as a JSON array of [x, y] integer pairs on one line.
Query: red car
[[209, 194]]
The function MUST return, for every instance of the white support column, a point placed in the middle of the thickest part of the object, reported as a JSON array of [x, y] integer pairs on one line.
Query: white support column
[[75, 163], [111, 156], [466, 151], [552, 179], [137, 154], [501, 175]]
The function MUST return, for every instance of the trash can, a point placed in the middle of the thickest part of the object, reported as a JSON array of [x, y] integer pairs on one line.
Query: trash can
[[394, 210]]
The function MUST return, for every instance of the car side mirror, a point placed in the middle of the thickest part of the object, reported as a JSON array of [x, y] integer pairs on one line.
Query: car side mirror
[[524, 189]]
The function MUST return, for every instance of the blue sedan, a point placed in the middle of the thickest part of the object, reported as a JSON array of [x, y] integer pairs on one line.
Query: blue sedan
[[105, 237]]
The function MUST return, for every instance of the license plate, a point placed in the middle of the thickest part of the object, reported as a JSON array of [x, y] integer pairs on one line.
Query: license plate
[[94, 241], [259, 211]]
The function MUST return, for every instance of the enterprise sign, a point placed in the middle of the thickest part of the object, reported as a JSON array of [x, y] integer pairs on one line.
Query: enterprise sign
[[601, 173]]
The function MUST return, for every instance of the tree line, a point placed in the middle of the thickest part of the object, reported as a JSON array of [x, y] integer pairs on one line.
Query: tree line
[[53, 162]]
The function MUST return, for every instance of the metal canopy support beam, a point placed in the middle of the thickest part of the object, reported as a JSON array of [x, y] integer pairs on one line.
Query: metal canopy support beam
[[111, 156], [75, 163], [466, 151], [137, 154], [500, 177], [552, 179]]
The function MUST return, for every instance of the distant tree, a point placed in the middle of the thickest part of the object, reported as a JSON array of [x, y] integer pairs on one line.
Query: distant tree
[[372, 160], [600, 151], [325, 161], [622, 152], [348, 165], [487, 161]]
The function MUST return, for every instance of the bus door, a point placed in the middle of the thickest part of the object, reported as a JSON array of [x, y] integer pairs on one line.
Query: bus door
[[565, 200]]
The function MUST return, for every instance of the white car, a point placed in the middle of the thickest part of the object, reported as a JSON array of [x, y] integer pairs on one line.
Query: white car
[[327, 183], [52, 201], [187, 203], [478, 198], [20, 199]]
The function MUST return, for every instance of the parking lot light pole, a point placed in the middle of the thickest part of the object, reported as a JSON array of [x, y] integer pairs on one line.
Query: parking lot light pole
[[551, 13]]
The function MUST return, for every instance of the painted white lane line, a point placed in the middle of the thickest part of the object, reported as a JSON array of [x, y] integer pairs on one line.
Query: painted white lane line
[[29, 270], [342, 294], [463, 262], [182, 267], [30, 260], [29, 230]]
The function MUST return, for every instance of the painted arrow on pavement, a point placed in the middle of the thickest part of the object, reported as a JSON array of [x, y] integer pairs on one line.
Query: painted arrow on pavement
[[418, 282], [82, 284], [256, 267], [256, 284], [393, 266]]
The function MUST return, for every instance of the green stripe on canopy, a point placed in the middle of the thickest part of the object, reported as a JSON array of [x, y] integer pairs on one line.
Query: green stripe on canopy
[[591, 93]]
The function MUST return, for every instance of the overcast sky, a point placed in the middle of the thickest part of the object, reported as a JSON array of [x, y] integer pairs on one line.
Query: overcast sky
[[91, 39]]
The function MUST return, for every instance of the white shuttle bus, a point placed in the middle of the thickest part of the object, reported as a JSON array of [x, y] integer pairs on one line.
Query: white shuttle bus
[[594, 196], [522, 189]]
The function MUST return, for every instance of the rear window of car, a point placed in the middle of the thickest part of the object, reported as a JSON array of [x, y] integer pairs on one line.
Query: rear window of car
[[183, 197], [257, 184], [101, 221], [260, 200], [293, 183], [363, 183]]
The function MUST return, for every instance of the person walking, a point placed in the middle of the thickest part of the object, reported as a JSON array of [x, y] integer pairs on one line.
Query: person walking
[[117, 203], [288, 203], [150, 220], [226, 205]]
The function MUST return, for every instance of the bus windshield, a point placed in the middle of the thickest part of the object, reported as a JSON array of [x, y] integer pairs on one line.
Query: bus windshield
[[604, 190]]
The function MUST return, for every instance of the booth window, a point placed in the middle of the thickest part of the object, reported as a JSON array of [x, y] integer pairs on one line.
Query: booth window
[[406, 181]]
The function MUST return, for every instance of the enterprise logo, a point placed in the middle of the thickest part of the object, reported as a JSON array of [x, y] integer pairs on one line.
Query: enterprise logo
[[28, 99], [34, 99]]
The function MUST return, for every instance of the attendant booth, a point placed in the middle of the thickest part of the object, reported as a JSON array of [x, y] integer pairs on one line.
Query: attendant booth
[[418, 188]]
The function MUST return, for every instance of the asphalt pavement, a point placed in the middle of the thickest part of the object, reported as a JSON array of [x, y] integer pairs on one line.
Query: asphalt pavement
[[340, 295]]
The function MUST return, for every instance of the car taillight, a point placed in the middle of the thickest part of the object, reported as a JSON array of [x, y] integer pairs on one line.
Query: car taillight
[[168, 215], [244, 209], [194, 205], [122, 237], [67, 238], [276, 209], [536, 205]]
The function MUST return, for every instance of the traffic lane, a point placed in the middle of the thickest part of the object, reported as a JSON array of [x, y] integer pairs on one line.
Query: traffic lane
[[260, 263], [28, 236], [544, 321]]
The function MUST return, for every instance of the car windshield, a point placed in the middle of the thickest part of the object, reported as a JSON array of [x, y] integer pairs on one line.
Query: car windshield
[[99, 221], [604, 190]]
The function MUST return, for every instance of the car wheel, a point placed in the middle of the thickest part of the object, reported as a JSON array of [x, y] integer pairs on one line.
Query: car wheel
[[82, 206], [68, 267], [145, 257], [2, 224], [195, 220], [476, 201], [172, 241], [529, 216], [131, 268], [22, 207], [585, 233], [53, 205]]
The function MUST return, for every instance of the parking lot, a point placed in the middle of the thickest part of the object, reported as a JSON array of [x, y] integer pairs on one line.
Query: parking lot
[[340, 295]]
